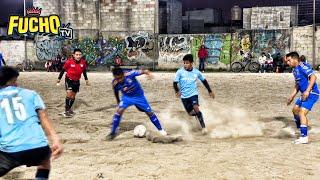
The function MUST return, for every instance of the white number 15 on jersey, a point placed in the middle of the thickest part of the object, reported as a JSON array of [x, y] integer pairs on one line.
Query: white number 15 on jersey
[[14, 107]]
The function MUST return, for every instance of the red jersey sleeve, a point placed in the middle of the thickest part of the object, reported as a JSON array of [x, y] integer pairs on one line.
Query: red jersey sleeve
[[66, 65]]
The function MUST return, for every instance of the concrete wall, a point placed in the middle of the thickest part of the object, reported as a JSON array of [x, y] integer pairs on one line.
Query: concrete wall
[[174, 16], [280, 17], [302, 42], [13, 51], [208, 15]]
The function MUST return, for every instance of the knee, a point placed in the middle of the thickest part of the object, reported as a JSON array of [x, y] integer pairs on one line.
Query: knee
[[150, 114], [296, 111]]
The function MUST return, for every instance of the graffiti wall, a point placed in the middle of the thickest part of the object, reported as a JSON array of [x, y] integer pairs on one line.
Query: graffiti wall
[[165, 51], [172, 48], [270, 41]]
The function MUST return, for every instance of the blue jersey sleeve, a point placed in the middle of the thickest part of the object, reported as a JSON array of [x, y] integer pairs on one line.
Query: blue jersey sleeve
[[38, 102], [200, 76], [306, 70], [177, 76], [133, 73]]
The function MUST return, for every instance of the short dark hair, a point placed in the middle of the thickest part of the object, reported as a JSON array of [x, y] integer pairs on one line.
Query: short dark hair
[[77, 50], [117, 71], [6, 74], [188, 57], [293, 55]]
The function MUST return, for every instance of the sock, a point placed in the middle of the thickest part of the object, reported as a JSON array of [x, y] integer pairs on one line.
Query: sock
[[69, 103], [297, 120], [304, 130], [200, 118], [154, 119], [115, 123], [42, 174]]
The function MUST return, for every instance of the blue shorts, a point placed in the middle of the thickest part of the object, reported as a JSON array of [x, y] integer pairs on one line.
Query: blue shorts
[[140, 102], [188, 103], [309, 102]]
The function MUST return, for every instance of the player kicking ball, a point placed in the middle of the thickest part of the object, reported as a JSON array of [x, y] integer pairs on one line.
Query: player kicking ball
[[23, 125], [305, 82], [186, 77], [132, 94]]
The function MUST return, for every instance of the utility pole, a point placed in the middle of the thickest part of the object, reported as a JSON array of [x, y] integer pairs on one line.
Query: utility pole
[[314, 35]]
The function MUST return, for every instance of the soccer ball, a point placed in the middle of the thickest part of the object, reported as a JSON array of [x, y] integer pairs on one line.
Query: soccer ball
[[139, 131]]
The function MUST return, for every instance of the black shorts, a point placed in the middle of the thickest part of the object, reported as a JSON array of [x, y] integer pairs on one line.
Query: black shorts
[[189, 102], [72, 85], [32, 157]]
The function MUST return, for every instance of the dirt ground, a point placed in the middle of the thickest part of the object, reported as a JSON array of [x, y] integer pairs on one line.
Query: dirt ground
[[250, 131]]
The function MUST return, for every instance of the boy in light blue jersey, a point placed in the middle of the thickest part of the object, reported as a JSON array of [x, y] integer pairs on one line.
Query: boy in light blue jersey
[[23, 122], [186, 77], [132, 94], [305, 82]]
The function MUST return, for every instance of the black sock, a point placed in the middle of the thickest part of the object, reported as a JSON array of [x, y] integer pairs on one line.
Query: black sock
[[42, 174], [200, 118], [69, 103]]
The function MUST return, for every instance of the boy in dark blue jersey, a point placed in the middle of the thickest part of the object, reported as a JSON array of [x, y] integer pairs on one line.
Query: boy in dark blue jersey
[[132, 94], [305, 82]]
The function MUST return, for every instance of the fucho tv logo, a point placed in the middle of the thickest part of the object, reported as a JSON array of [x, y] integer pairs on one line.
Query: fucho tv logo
[[34, 23]]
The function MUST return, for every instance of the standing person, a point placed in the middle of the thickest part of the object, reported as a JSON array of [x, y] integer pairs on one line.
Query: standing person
[[2, 62], [117, 61], [23, 125], [132, 94], [74, 67], [186, 77], [305, 82], [203, 55]]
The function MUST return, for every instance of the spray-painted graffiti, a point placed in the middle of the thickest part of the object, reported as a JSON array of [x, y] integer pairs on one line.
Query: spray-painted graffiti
[[241, 45], [218, 46], [140, 45], [48, 47], [272, 41], [196, 42], [173, 48]]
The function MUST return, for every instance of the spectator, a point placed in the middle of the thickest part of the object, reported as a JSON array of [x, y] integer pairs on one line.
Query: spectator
[[203, 55]]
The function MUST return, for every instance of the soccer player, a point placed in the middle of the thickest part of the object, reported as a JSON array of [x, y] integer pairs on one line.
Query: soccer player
[[132, 94], [186, 77], [305, 82], [74, 67], [23, 125]]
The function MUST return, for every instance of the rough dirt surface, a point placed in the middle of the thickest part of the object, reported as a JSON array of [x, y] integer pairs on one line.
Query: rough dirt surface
[[250, 131]]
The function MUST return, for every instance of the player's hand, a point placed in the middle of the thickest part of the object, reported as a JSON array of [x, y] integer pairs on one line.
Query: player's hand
[[56, 149], [289, 101], [148, 73], [178, 94], [87, 83], [305, 95], [58, 83], [211, 94]]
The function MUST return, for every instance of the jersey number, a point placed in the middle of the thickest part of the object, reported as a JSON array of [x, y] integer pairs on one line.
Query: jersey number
[[19, 111]]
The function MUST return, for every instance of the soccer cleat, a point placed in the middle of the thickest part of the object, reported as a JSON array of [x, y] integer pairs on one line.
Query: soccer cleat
[[163, 132], [204, 131], [72, 113], [301, 140], [111, 136], [67, 114]]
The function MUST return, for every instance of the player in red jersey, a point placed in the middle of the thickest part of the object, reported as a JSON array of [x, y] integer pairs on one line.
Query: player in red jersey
[[74, 67]]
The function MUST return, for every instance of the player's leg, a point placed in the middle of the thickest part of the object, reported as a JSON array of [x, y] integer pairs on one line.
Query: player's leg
[[306, 106], [142, 104], [7, 163], [296, 116], [123, 105], [43, 170], [72, 88]]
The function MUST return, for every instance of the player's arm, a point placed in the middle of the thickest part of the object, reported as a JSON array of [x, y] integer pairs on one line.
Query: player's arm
[[206, 84], [86, 77], [175, 83], [116, 94], [293, 94], [47, 126], [312, 80]]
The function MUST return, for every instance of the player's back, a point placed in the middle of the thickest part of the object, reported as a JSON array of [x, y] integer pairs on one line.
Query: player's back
[[20, 127]]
